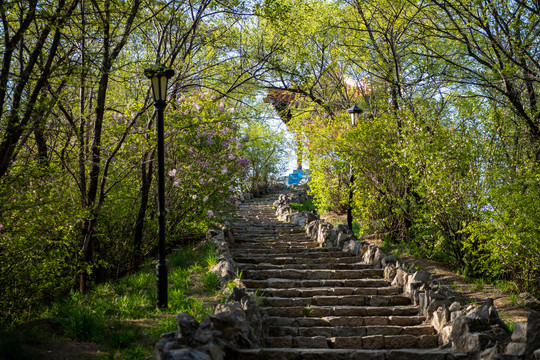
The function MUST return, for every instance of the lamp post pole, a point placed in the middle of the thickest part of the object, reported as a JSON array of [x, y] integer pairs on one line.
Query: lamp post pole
[[355, 112], [159, 75], [349, 209], [161, 268]]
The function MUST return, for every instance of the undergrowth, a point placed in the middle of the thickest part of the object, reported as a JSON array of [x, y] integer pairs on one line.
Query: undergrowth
[[307, 205], [121, 315]]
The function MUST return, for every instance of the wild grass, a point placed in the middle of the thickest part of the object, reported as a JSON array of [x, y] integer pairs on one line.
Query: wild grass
[[110, 314]]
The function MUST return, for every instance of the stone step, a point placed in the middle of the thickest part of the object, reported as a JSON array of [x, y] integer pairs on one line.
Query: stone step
[[347, 321], [318, 291], [322, 303], [339, 300], [308, 274], [315, 283], [259, 231], [349, 331], [345, 354], [320, 311], [311, 252], [339, 266], [354, 342], [281, 245], [273, 259]]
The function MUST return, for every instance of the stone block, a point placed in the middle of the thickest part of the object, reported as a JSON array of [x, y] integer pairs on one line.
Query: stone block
[[400, 341], [428, 341], [316, 342], [373, 342]]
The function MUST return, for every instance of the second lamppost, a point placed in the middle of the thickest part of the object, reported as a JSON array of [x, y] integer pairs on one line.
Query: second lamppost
[[355, 112], [159, 75]]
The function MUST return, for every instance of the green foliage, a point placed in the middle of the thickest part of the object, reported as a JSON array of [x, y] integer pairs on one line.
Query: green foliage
[[210, 281], [505, 286], [265, 149], [305, 206], [124, 337], [80, 322], [514, 300]]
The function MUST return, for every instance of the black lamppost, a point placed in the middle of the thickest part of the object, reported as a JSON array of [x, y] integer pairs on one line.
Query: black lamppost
[[159, 75], [355, 112]]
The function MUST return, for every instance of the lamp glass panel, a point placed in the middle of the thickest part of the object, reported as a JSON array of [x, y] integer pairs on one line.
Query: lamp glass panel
[[163, 82], [354, 119], [155, 88]]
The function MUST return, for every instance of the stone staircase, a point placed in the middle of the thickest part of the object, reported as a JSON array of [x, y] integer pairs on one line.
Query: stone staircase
[[321, 303]]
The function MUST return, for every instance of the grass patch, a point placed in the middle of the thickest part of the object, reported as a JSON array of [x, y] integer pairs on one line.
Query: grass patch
[[479, 284], [506, 286], [121, 316], [210, 281]]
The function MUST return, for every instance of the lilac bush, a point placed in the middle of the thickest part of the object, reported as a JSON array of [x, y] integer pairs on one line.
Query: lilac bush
[[205, 167]]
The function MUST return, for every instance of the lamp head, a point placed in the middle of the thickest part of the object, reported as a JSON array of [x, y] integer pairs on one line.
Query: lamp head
[[355, 112], [159, 75]]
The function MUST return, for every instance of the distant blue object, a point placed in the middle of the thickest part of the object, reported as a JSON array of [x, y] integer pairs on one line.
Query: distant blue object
[[295, 178]]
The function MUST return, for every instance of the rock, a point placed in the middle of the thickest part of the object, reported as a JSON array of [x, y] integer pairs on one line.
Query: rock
[[516, 349], [331, 237], [354, 247], [165, 344], [415, 281], [230, 321], [460, 330], [224, 269], [311, 217], [378, 256], [435, 303], [187, 326], [526, 333], [445, 335], [367, 256], [211, 233], [341, 239], [441, 317], [401, 277], [389, 272], [520, 332], [485, 315], [185, 354], [423, 300], [311, 228], [489, 354], [421, 276], [477, 342], [389, 260], [455, 306]]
